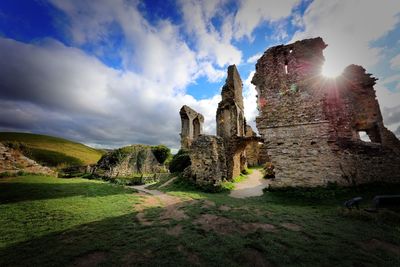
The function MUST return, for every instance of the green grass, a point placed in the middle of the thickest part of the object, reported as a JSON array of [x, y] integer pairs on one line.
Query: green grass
[[62, 149], [48, 221]]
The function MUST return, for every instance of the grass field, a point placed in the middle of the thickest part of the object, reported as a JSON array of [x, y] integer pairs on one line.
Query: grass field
[[48, 221], [53, 149]]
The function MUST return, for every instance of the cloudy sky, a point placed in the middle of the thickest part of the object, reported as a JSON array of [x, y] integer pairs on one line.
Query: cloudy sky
[[114, 72]]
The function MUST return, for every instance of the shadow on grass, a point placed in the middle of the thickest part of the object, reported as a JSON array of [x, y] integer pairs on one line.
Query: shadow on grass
[[12, 192], [123, 241]]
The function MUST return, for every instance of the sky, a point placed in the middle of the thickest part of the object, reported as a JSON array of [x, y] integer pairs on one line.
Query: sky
[[109, 73]]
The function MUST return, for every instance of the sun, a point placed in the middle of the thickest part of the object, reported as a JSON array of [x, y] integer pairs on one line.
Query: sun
[[332, 68], [330, 71]]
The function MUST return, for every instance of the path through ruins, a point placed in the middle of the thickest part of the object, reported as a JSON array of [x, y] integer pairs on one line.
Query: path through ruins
[[252, 186]]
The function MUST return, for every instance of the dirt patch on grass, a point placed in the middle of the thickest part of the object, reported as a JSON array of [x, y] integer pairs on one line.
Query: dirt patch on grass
[[141, 217], [173, 212], [225, 226], [291, 226], [224, 208], [91, 259], [374, 244], [253, 227], [207, 204], [174, 231], [216, 223], [253, 257], [191, 257], [135, 258]]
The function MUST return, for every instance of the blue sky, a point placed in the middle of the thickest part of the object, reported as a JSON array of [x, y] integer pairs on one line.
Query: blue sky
[[111, 73]]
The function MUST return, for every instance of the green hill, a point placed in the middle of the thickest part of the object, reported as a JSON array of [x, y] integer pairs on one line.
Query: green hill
[[53, 151]]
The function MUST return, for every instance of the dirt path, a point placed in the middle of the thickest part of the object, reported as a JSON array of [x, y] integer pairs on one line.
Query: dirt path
[[252, 186]]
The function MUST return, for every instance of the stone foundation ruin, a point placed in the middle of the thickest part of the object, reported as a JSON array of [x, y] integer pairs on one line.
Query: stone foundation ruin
[[311, 125]]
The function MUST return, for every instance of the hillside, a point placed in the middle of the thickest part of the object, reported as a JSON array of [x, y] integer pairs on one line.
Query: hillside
[[53, 150]]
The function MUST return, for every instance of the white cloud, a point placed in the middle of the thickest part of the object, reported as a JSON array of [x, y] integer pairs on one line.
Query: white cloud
[[252, 13], [250, 101], [66, 92], [211, 45], [348, 27], [395, 62], [254, 58]]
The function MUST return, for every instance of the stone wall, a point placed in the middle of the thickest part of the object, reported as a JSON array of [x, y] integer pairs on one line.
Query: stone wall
[[128, 161], [207, 154], [13, 161], [192, 125], [311, 124]]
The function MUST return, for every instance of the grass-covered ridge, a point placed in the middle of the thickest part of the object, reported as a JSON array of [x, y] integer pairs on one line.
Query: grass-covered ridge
[[53, 149]]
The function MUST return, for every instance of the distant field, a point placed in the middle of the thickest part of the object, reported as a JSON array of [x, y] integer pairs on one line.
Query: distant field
[[53, 149]]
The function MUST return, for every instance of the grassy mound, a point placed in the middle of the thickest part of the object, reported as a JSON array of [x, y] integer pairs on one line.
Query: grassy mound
[[53, 151]]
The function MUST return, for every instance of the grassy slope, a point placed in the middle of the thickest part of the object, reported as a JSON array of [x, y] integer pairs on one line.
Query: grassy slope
[[48, 221], [84, 153]]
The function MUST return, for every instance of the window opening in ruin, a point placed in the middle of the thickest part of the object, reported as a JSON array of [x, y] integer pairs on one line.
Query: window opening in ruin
[[290, 51], [286, 69], [364, 136]]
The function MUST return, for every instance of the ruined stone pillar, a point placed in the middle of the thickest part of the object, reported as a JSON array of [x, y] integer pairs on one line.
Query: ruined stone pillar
[[191, 126]]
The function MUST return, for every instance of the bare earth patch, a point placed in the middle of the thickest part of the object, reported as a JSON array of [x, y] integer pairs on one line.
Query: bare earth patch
[[216, 223], [253, 227], [291, 226], [91, 259], [224, 208], [173, 213], [225, 226], [135, 258], [252, 257], [174, 231], [207, 204], [374, 244], [191, 257]]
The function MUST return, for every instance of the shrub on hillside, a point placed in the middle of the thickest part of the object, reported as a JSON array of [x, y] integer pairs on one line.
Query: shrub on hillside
[[180, 161], [161, 152]]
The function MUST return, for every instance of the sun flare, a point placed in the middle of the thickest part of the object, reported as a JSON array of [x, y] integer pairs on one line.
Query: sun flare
[[331, 70]]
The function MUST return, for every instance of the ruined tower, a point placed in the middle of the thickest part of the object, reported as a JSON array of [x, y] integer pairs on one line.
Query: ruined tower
[[231, 123], [222, 157], [191, 126], [311, 124]]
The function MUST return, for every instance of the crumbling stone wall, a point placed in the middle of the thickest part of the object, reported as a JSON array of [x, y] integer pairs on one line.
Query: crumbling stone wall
[[207, 154], [253, 150], [215, 158], [128, 161], [13, 161], [311, 124], [231, 123], [192, 126]]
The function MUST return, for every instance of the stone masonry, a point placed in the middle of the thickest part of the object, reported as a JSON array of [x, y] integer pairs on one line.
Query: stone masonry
[[216, 158], [311, 124], [192, 126]]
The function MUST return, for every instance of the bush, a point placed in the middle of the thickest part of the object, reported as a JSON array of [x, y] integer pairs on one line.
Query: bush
[[180, 161], [161, 152]]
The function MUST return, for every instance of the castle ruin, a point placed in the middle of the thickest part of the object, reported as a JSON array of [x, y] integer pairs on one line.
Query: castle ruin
[[222, 157], [311, 125]]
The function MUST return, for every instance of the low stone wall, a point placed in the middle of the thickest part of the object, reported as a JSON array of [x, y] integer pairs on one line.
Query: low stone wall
[[207, 155]]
